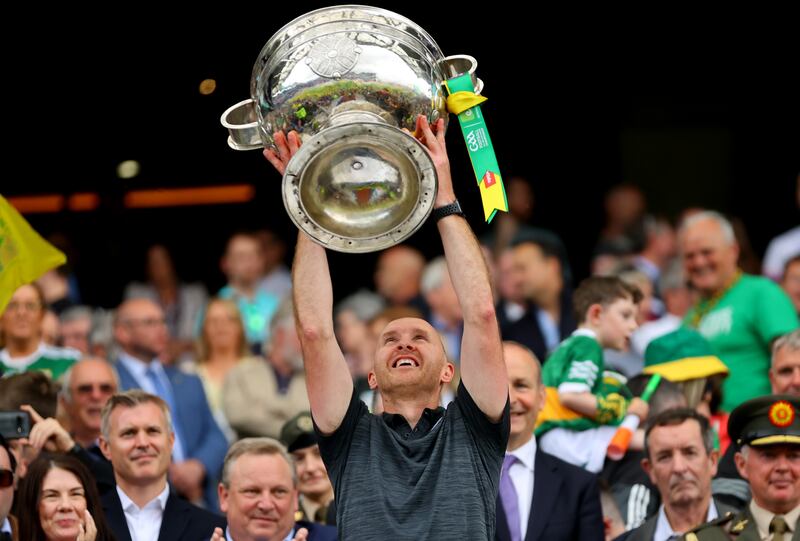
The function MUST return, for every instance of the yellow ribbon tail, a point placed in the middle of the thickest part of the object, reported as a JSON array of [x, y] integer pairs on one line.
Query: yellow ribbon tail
[[458, 102], [493, 196]]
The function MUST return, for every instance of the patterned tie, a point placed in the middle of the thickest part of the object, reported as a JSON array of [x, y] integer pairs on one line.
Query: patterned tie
[[778, 528], [508, 495]]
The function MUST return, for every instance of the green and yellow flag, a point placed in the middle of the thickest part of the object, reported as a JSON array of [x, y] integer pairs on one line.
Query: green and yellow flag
[[24, 254]]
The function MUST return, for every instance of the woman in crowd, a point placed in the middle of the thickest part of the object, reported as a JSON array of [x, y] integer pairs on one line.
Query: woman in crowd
[[60, 502]]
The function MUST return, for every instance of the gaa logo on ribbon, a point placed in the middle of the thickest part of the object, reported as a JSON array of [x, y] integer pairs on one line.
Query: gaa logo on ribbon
[[781, 414]]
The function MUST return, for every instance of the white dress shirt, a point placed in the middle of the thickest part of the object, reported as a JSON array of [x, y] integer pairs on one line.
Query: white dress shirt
[[138, 370], [664, 531], [228, 537], [521, 473], [144, 524]]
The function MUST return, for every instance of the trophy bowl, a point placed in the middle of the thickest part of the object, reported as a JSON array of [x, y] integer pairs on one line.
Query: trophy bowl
[[351, 81]]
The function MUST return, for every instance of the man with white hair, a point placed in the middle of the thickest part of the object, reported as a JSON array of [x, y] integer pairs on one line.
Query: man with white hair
[[740, 315], [446, 316]]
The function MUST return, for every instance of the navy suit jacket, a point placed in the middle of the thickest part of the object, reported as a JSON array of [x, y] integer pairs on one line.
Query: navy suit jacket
[[566, 504], [182, 521], [202, 437]]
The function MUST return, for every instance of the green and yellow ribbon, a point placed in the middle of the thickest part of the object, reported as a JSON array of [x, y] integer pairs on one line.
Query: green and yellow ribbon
[[463, 102]]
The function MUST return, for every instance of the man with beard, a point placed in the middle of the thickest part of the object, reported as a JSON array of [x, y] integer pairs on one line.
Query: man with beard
[[680, 460]]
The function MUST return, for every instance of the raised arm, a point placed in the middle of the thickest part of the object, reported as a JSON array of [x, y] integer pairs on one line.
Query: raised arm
[[483, 370], [328, 379]]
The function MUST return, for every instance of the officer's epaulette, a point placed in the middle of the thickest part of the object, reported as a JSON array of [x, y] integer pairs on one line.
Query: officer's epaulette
[[716, 529]]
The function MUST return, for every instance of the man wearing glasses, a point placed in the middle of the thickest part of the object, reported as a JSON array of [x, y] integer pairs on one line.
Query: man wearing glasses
[[200, 446]]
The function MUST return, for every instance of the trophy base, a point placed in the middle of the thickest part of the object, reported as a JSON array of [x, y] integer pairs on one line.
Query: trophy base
[[360, 187]]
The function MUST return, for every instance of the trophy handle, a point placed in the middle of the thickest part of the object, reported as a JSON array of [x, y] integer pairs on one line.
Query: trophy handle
[[460, 64], [241, 120]]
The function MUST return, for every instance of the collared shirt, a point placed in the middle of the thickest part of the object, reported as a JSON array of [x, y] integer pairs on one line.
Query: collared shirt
[[549, 328], [138, 370], [6, 526], [764, 517], [663, 529], [144, 524], [426, 422], [522, 472], [289, 537]]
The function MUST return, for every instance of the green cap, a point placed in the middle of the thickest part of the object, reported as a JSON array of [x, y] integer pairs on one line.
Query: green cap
[[766, 420], [298, 432], [682, 355]]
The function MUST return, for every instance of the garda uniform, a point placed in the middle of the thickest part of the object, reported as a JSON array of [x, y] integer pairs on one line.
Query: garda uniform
[[767, 420]]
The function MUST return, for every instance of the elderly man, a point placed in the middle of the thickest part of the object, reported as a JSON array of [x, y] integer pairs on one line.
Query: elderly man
[[681, 461], [739, 314], [417, 471], [785, 372], [316, 491], [138, 439], [258, 494], [541, 496], [200, 445], [768, 431]]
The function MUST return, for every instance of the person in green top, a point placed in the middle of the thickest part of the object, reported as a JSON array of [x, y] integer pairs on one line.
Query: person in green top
[[739, 314], [21, 334], [582, 405]]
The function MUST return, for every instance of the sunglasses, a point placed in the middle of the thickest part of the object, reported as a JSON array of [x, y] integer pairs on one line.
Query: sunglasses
[[6, 478], [105, 388]]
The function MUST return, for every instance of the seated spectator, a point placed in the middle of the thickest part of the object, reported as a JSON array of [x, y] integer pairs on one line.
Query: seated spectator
[[398, 273], [277, 279], [21, 328], [313, 484], [681, 461], [541, 497], [791, 281], [33, 389], [181, 303], [60, 502], [351, 318], [138, 439], [243, 265], [259, 478], [260, 395], [200, 445], [51, 329], [76, 329], [445, 312], [222, 346]]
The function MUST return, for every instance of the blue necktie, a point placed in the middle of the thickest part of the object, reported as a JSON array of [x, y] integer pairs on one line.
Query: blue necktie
[[166, 394]]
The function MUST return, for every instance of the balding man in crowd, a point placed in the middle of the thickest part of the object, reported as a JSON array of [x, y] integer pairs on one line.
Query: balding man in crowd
[[200, 445], [739, 314]]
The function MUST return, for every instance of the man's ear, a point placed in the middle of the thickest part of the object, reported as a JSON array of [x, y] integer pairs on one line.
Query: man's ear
[[372, 380]]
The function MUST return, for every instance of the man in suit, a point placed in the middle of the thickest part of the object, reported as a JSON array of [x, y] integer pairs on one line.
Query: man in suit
[[259, 495], [768, 430], [541, 496], [538, 270], [200, 445], [681, 461], [138, 439]]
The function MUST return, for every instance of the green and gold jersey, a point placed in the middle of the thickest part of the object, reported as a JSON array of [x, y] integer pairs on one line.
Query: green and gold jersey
[[53, 361]]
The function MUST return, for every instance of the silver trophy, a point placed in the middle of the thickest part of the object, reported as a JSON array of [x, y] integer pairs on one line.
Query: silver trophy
[[349, 79]]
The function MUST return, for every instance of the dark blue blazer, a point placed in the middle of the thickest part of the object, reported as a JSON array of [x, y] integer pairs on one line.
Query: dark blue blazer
[[202, 436], [566, 504], [182, 521]]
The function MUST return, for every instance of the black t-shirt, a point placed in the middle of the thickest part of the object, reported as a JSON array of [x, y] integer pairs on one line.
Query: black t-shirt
[[439, 482]]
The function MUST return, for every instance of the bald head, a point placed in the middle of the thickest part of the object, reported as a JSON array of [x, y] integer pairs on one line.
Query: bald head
[[140, 330], [710, 252], [525, 392], [398, 274]]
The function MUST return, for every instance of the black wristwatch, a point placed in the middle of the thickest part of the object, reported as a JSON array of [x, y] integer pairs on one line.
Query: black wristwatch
[[447, 210]]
